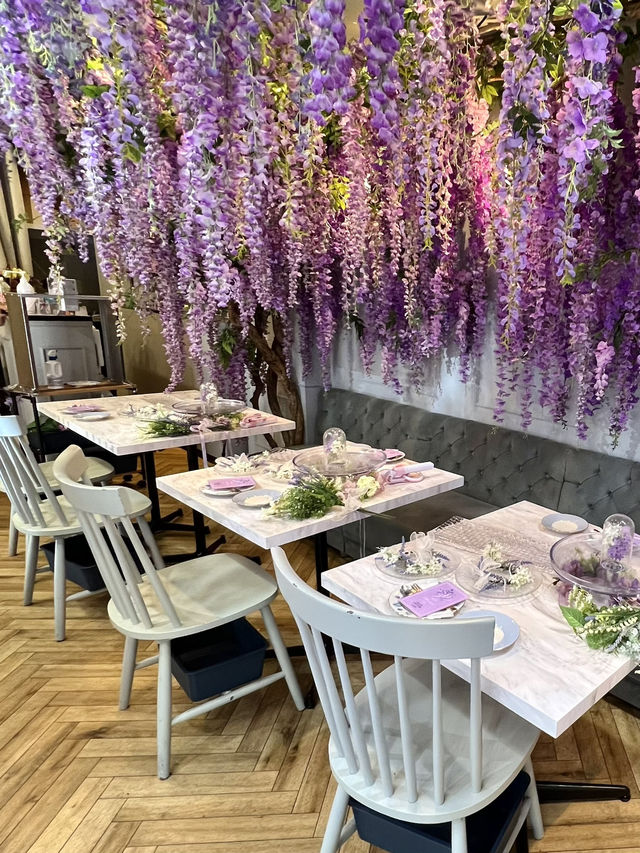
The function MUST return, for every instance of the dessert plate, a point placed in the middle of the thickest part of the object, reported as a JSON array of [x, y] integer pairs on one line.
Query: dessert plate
[[506, 631], [559, 522]]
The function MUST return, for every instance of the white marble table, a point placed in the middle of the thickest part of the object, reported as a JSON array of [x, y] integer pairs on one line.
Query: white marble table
[[120, 433], [549, 677], [268, 532]]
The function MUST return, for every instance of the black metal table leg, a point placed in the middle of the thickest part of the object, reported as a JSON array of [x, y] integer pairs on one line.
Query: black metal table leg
[[158, 522], [41, 456], [574, 792], [198, 520]]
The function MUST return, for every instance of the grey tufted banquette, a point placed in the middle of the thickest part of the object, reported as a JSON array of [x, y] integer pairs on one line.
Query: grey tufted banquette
[[499, 466]]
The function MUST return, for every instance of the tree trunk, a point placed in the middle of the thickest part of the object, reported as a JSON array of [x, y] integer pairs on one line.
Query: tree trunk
[[278, 383]]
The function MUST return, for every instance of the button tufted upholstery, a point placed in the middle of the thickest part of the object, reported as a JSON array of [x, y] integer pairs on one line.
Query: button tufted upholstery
[[500, 466]]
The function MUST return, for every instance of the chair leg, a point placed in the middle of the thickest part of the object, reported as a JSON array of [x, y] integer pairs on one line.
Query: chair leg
[[128, 669], [30, 567], [283, 657], [12, 548], [59, 589], [332, 842], [459, 835], [164, 709], [535, 815]]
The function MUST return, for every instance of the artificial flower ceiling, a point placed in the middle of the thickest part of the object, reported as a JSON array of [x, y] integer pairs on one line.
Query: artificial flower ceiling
[[233, 157]]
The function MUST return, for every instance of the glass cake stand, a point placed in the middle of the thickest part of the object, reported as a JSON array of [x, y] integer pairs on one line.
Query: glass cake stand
[[213, 409], [576, 559], [355, 462]]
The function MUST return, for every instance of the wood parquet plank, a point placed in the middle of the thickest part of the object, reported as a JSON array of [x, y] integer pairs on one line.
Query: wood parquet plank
[[78, 776]]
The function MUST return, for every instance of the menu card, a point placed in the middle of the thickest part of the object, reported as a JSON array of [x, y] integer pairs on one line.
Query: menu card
[[433, 598], [231, 483]]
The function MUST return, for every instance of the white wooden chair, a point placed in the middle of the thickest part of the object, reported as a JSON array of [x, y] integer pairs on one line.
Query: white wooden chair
[[416, 744], [167, 602], [38, 512], [99, 472]]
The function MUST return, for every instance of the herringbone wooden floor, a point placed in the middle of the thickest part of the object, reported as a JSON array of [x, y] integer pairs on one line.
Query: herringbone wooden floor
[[78, 776]]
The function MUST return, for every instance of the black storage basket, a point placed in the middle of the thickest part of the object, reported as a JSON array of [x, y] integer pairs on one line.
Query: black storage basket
[[214, 661]]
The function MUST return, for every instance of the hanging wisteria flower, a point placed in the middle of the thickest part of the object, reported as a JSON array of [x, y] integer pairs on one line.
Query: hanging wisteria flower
[[329, 78]]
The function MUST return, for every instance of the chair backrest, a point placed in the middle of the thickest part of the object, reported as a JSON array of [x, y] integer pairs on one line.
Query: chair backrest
[[23, 479], [373, 758], [104, 515]]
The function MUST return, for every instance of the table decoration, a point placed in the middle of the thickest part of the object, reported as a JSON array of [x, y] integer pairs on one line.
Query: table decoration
[[240, 462], [614, 628], [312, 497], [418, 560], [497, 576], [352, 463], [213, 408], [157, 421], [583, 561]]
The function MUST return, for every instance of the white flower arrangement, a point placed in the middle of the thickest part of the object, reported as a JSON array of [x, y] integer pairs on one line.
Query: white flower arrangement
[[367, 487]]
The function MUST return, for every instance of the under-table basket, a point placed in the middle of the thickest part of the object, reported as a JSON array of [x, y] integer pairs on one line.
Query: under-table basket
[[218, 660]]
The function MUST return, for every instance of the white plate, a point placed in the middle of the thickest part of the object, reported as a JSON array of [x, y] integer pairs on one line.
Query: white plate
[[400, 610], [556, 521], [224, 493], [92, 416], [266, 493], [85, 383], [506, 631]]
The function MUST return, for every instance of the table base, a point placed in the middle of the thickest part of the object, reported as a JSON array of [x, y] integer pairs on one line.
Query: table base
[[160, 522], [566, 792]]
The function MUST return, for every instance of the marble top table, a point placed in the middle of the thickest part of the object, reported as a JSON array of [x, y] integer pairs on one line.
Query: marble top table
[[268, 532], [120, 434], [549, 676]]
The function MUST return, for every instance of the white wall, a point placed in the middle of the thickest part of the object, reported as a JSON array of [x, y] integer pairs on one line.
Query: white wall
[[443, 392]]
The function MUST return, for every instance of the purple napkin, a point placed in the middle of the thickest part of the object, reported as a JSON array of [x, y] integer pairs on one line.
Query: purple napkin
[[231, 483], [433, 598], [76, 410]]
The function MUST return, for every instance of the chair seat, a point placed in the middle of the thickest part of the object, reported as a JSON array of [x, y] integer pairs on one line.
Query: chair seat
[[98, 472], [205, 592], [140, 504], [487, 830], [507, 743]]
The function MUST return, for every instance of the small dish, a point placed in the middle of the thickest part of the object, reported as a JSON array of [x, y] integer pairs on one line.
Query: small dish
[[506, 631], [565, 525], [92, 416], [85, 383], [400, 610], [269, 495]]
